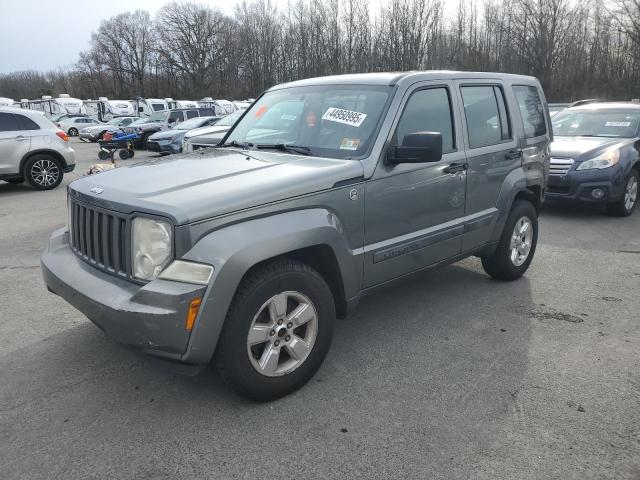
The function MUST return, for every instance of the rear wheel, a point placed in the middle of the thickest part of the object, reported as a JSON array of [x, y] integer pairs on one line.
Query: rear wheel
[[124, 154], [517, 244], [277, 332], [627, 203], [73, 132], [43, 172]]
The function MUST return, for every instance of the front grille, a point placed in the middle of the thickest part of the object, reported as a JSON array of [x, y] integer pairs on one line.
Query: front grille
[[99, 237], [560, 166]]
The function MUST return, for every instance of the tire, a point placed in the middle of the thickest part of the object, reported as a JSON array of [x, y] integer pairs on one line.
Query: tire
[[629, 199], [14, 181], [103, 155], [43, 172], [73, 132], [508, 262], [244, 367], [124, 154], [132, 152], [144, 140]]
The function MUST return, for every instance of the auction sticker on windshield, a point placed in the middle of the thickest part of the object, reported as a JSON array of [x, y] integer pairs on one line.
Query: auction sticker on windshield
[[349, 144], [617, 124], [347, 117]]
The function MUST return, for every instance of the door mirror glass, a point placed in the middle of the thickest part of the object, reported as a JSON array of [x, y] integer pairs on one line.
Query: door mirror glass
[[419, 147]]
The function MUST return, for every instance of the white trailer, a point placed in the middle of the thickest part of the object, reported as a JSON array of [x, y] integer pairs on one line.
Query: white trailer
[[6, 102], [104, 109], [50, 106]]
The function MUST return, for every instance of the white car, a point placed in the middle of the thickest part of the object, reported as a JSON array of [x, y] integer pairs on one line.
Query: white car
[[33, 149], [209, 136], [73, 125], [95, 132]]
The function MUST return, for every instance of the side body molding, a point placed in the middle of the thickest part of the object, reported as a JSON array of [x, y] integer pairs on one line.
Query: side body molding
[[234, 249]]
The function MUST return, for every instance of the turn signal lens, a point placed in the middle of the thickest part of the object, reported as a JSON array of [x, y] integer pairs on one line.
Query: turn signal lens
[[194, 306], [63, 136]]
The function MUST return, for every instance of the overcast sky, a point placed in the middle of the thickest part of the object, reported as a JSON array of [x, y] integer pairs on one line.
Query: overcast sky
[[46, 34]]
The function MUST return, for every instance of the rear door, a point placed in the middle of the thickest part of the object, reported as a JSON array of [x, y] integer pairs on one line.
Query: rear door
[[492, 152], [14, 143]]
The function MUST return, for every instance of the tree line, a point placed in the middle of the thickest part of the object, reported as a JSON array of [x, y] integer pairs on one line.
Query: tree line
[[577, 49]]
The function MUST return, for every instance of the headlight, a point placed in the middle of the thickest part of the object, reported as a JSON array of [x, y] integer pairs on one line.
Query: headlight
[[606, 160], [151, 247], [188, 272]]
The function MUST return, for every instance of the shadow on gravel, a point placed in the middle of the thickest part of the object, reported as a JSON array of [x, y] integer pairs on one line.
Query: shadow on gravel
[[434, 359]]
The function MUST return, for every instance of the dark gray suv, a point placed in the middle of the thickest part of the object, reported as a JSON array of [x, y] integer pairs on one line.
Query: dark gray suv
[[250, 250]]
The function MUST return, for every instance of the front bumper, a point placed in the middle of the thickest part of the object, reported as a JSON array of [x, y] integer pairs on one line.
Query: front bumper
[[580, 186], [88, 136], [148, 317], [162, 146]]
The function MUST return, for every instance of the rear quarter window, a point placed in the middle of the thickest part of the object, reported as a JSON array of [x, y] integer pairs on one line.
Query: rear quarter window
[[26, 123], [9, 123], [531, 110]]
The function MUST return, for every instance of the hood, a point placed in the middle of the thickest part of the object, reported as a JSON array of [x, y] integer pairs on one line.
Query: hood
[[583, 148], [212, 182], [168, 134]]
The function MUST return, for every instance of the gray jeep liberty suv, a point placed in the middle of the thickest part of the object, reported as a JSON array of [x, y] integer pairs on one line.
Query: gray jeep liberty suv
[[325, 189]]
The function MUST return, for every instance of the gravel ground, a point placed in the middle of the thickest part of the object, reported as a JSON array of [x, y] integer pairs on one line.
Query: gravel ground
[[447, 374]]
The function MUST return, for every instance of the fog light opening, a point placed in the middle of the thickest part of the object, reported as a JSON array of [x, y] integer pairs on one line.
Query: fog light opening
[[192, 313], [597, 193]]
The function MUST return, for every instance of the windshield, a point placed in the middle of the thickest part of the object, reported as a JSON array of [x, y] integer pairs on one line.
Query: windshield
[[597, 123], [157, 117], [192, 123], [230, 119], [337, 121], [140, 121]]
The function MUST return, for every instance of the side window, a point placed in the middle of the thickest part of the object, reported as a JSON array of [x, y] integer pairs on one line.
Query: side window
[[428, 111], [175, 117], [531, 110], [485, 112], [9, 123], [192, 114], [26, 123]]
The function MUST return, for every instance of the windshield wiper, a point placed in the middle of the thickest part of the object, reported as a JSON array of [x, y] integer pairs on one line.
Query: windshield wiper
[[285, 147], [235, 143]]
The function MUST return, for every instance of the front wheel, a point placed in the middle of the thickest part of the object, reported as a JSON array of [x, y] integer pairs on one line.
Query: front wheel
[[43, 172], [73, 132], [517, 244], [277, 332], [627, 203]]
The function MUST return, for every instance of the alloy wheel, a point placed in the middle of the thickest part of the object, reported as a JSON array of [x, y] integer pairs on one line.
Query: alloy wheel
[[282, 334], [521, 241], [631, 193], [45, 173]]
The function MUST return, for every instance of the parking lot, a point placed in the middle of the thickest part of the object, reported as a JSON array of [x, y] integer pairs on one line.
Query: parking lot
[[446, 374]]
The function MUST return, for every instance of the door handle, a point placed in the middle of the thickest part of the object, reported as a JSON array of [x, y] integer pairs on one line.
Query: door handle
[[513, 154], [455, 168], [20, 138]]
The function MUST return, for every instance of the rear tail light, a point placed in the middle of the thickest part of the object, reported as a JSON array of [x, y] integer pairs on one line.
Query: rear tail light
[[63, 136]]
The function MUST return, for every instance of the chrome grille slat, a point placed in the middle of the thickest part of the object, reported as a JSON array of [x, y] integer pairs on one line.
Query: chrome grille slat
[[560, 166], [98, 236]]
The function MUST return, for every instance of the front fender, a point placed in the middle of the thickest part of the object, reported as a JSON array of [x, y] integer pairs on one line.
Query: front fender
[[233, 250]]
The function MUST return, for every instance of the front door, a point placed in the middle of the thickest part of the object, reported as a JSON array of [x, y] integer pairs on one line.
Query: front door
[[413, 211]]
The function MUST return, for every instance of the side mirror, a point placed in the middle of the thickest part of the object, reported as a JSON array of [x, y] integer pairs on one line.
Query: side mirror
[[419, 147]]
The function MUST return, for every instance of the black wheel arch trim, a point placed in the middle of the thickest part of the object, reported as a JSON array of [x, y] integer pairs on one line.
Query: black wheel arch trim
[[41, 151]]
